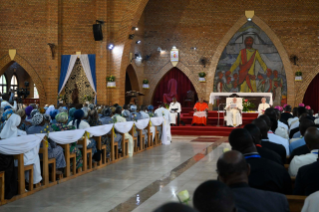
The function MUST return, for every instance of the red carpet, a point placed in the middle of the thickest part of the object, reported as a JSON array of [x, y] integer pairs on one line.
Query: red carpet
[[211, 129]]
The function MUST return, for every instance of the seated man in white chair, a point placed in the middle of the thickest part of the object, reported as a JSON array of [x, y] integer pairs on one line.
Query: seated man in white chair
[[262, 106], [233, 112]]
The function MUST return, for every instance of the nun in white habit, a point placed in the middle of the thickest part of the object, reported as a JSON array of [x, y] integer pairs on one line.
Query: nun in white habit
[[31, 157]]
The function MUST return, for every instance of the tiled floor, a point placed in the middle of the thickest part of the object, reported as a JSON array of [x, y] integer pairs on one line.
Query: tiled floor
[[137, 184]]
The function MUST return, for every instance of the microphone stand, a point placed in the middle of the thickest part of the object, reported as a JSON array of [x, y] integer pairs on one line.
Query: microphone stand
[[218, 112]]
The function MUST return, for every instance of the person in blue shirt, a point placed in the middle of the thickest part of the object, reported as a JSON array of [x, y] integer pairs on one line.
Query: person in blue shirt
[[305, 123]]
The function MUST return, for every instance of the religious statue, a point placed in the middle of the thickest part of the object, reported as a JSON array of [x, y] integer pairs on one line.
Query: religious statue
[[246, 61], [75, 95]]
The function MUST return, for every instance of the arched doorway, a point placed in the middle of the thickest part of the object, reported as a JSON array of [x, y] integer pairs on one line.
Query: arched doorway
[[14, 77], [173, 84], [312, 92], [131, 82]]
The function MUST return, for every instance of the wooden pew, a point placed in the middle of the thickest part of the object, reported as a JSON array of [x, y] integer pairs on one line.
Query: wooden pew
[[124, 146], [45, 164], [114, 148], [101, 147], [68, 157], [295, 202], [136, 148], [85, 152], [21, 170], [141, 138], [2, 186]]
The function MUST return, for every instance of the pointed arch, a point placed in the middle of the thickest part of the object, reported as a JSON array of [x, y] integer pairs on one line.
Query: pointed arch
[[157, 95], [309, 80], [272, 36], [6, 61]]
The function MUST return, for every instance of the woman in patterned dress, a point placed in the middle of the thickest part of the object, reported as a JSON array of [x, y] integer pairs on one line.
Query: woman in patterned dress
[[61, 125]]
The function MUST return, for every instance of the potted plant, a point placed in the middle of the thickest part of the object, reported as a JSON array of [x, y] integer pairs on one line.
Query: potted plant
[[202, 76], [111, 81], [298, 76], [146, 84], [247, 105]]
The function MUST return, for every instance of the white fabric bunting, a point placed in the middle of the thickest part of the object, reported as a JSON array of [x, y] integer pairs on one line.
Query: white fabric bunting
[[142, 124], [156, 121], [21, 144], [66, 137], [100, 130], [123, 127]]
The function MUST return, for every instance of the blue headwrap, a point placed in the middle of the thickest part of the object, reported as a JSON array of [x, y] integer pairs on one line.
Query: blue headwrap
[[7, 107], [126, 113], [150, 108], [133, 108], [54, 113], [78, 115], [6, 115]]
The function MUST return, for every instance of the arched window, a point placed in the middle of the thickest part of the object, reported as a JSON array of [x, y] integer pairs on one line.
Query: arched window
[[3, 84], [14, 84], [35, 92]]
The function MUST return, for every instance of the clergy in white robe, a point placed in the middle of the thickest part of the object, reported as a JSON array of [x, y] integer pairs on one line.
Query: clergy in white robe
[[175, 110], [166, 131], [262, 107], [119, 118], [233, 113]]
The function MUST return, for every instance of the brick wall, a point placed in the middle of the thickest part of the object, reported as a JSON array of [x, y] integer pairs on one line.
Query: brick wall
[[29, 25]]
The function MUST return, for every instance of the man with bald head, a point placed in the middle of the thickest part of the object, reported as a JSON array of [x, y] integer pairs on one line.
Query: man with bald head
[[312, 142], [265, 174], [233, 170]]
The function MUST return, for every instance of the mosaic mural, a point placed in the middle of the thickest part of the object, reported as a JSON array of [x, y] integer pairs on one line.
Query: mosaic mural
[[251, 63]]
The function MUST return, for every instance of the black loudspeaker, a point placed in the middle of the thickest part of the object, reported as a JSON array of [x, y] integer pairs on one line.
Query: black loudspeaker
[[97, 30]]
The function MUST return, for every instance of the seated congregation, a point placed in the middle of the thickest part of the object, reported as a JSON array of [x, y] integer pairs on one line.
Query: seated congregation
[[273, 165], [70, 142]]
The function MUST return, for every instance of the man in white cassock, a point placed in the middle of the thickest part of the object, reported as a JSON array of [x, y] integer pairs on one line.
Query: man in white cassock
[[262, 107], [161, 111], [233, 113], [175, 110]]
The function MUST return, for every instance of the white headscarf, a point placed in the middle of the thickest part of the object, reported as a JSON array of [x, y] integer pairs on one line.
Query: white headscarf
[[51, 108], [10, 128]]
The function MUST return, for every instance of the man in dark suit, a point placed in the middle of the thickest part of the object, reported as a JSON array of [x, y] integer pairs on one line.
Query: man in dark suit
[[264, 152], [233, 170], [213, 195], [261, 123], [307, 179], [286, 115], [265, 174]]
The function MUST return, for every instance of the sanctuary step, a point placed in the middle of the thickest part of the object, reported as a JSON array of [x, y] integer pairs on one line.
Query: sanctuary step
[[212, 118], [201, 130]]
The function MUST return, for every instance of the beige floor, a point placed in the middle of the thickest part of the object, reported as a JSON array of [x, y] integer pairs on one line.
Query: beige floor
[[140, 183]]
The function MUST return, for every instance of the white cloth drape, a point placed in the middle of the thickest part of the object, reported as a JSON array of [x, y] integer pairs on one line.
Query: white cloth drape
[[142, 124], [124, 127], [84, 58], [156, 121], [68, 73], [100, 130], [21, 144], [66, 137], [200, 114]]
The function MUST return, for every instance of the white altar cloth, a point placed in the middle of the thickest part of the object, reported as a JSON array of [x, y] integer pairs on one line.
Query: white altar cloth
[[215, 95]]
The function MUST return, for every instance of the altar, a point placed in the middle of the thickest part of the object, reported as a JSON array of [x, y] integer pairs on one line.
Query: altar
[[218, 99]]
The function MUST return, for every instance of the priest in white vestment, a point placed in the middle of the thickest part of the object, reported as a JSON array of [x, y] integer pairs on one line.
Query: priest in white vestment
[[166, 131], [262, 107], [233, 113], [175, 110]]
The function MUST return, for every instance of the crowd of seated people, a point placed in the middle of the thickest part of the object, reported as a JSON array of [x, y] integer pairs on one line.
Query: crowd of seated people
[[33, 120], [263, 165]]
